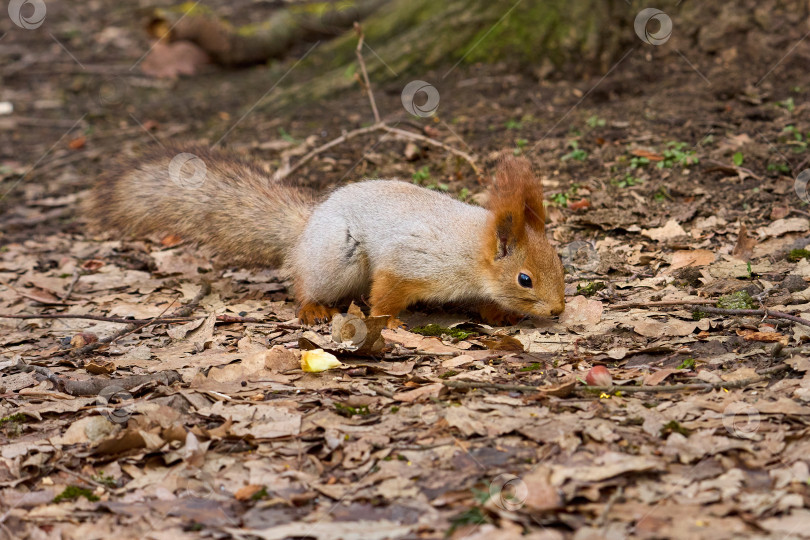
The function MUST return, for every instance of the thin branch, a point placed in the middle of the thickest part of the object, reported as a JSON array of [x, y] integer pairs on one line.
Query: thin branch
[[47, 373], [281, 174], [80, 476], [101, 318], [379, 390], [763, 375], [361, 60], [121, 320], [77, 273], [182, 312], [124, 332], [752, 312], [663, 303], [378, 125], [415, 136]]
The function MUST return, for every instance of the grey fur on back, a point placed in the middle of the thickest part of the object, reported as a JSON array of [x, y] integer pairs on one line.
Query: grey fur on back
[[379, 224]]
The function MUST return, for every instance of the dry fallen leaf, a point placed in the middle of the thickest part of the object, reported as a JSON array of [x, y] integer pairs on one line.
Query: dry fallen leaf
[[581, 310], [784, 226], [672, 327], [669, 231], [694, 257], [744, 247], [767, 337]]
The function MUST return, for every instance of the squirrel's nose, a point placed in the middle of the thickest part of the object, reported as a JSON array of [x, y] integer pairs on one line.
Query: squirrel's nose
[[559, 308]]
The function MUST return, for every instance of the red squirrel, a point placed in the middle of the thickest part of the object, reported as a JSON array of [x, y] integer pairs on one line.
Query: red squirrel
[[392, 242]]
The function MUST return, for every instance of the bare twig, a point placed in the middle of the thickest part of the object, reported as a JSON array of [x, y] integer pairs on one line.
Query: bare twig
[[182, 312], [24, 366], [77, 273], [362, 62], [94, 386], [102, 318], [80, 476], [378, 125], [752, 312], [121, 320], [662, 303], [280, 174], [125, 332], [473, 385], [379, 390], [763, 375], [416, 137]]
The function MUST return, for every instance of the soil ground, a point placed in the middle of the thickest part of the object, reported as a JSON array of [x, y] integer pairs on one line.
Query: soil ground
[[670, 178]]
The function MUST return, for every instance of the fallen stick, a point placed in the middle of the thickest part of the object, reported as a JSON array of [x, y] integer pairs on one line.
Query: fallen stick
[[768, 314], [77, 273], [121, 320], [761, 376], [378, 125], [184, 311], [359, 52], [94, 386], [662, 303]]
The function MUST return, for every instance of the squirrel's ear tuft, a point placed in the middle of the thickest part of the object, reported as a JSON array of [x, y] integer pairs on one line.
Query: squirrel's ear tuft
[[518, 193]]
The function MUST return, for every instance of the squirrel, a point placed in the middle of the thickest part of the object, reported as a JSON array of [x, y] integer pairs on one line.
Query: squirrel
[[391, 241]]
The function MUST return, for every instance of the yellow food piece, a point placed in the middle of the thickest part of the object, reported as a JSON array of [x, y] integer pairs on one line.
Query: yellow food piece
[[318, 360]]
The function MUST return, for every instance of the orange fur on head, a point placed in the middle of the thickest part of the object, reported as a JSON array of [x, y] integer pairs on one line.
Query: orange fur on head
[[516, 244], [516, 200], [516, 192]]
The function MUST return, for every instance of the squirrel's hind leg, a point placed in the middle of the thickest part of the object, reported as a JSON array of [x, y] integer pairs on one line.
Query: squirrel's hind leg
[[391, 294]]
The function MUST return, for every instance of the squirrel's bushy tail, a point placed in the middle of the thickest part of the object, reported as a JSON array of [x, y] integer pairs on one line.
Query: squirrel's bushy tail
[[207, 197]]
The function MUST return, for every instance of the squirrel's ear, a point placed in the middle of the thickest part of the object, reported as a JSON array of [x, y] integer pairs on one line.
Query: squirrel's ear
[[516, 198], [506, 234]]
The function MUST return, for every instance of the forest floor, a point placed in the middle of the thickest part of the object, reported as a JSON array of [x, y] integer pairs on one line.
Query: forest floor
[[671, 179]]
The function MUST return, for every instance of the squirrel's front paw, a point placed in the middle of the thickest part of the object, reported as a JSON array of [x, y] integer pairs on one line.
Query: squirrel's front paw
[[494, 315], [316, 313]]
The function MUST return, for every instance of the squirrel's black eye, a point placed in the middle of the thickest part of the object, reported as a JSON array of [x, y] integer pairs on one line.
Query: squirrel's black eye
[[524, 281]]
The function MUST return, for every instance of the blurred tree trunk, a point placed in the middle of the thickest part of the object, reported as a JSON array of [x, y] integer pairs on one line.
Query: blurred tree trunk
[[408, 38], [414, 34]]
